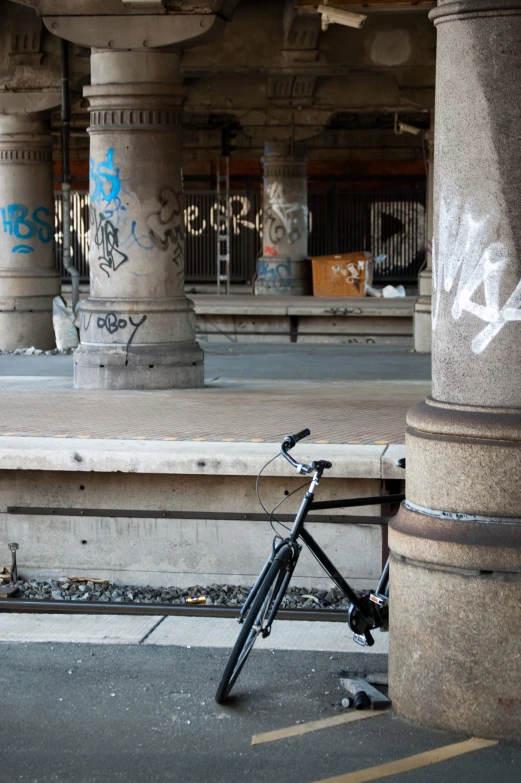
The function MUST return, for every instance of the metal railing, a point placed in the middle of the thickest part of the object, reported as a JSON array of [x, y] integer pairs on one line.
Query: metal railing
[[382, 222]]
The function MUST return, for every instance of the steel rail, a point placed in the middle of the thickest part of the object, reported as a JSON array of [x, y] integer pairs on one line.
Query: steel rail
[[30, 606]]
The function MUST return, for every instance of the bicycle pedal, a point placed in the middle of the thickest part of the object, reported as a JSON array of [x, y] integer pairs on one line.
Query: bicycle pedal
[[364, 639], [379, 600], [265, 632]]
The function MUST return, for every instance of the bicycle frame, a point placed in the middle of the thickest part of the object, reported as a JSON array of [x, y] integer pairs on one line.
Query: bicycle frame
[[298, 531]]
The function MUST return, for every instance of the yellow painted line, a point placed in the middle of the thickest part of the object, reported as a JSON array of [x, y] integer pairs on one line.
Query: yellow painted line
[[140, 437], [170, 438], [61, 436], [381, 442], [8, 433], [227, 440], [200, 439], [321, 441], [412, 762], [84, 437], [257, 440], [314, 725]]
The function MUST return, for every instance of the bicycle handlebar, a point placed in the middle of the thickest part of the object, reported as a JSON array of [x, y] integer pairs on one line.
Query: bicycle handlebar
[[289, 442], [292, 440]]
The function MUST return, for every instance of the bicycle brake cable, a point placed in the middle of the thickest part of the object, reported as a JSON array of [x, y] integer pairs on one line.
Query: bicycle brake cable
[[270, 513]]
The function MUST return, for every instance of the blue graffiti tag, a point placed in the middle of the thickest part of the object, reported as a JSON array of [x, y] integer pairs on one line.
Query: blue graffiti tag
[[106, 190], [106, 180], [277, 274], [17, 223]]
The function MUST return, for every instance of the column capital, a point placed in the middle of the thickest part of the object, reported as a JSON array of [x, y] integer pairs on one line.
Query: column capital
[[284, 160], [448, 10], [143, 32]]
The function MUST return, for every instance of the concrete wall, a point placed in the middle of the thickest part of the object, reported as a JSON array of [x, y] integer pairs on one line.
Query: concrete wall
[[99, 476]]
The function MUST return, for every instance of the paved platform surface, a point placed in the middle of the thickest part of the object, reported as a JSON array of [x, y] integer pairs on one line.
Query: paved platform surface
[[179, 632], [254, 393], [76, 713]]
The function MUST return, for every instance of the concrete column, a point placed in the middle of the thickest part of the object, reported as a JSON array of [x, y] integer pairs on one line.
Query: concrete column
[[455, 660], [137, 327], [423, 305], [284, 267], [28, 278]]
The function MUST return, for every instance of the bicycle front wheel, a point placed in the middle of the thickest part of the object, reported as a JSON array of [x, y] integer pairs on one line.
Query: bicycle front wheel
[[278, 576]]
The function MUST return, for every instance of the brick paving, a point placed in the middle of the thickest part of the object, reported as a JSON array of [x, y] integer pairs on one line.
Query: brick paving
[[337, 412]]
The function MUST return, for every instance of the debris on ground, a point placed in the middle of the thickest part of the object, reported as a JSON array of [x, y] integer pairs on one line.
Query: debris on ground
[[63, 323], [32, 351]]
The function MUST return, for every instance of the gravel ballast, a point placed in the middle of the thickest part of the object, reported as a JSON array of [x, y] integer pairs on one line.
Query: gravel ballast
[[215, 594]]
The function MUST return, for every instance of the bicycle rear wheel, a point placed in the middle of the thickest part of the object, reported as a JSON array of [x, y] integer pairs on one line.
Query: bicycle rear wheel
[[279, 573]]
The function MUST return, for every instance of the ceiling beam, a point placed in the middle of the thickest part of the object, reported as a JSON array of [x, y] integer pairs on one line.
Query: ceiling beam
[[372, 5]]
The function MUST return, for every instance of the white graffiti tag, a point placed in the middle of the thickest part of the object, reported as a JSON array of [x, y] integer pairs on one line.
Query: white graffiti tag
[[467, 260], [286, 219]]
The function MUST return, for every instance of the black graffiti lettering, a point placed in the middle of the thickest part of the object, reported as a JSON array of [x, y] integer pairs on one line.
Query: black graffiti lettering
[[136, 327], [166, 225], [106, 239], [111, 323], [343, 311]]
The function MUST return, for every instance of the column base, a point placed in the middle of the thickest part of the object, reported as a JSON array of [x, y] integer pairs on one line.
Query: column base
[[26, 308], [130, 344], [422, 325], [169, 367], [454, 661], [455, 606], [283, 277]]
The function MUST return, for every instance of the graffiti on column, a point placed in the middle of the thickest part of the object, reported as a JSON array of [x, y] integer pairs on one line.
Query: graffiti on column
[[105, 238], [285, 220], [113, 323], [107, 190], [277, 275], [166, 225], [469, 258], [18, 221]]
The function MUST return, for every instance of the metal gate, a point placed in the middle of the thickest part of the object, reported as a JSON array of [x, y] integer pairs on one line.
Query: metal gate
[[79, 233], [382, 222], [390, 223]]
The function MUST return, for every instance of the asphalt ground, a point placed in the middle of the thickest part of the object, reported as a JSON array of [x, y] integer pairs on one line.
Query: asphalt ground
[[87, 713], [270, 362]]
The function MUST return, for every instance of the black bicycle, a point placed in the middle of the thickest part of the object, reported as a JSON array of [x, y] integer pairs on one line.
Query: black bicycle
[[368, 610]]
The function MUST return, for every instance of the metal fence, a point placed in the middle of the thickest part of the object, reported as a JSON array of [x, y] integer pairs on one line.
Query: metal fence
[[382, 222]]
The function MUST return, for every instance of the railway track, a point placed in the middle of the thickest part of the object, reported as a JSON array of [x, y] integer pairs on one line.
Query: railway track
[[26, 606]]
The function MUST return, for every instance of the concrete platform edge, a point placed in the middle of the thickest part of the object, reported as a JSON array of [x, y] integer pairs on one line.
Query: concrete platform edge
[[190, 457]]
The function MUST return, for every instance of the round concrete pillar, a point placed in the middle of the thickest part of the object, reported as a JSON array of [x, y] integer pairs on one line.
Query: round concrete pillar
[[423, 305], [455, 661], [28, 278], [137, 327], [284, 267]]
